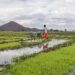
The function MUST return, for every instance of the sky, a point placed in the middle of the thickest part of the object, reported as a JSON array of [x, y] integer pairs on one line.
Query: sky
[[56, 14]]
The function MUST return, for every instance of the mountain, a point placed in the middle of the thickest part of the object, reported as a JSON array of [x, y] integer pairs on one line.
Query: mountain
[[13, 26]]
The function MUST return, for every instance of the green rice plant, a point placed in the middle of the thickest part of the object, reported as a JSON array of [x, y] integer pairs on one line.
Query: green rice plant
[[20, 58], [57, 62], [10, 45]]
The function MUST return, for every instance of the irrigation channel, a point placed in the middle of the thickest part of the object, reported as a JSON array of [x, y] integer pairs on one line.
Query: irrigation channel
[[6, 57]]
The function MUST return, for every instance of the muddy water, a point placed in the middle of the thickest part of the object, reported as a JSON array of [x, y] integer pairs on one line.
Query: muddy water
[[7, 56]]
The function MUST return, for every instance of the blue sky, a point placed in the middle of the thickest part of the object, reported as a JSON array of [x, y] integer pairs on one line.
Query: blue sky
[[56, 14]]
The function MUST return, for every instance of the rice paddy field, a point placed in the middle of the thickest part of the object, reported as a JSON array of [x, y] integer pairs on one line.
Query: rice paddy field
[[57, 62], [11, 40]]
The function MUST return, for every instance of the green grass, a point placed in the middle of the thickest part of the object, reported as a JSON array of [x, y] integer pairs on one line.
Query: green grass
[[8, 35], [10, 45], [11, 37], [57, 62]]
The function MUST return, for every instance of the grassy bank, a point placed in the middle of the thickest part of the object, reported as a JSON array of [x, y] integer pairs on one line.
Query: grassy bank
[[12, 45], [58, 62], [5, 45]]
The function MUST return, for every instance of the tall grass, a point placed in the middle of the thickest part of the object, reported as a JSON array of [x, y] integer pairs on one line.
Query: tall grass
[[58, 62]]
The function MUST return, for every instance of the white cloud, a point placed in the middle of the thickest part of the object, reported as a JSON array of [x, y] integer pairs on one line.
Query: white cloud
[[59, 14]]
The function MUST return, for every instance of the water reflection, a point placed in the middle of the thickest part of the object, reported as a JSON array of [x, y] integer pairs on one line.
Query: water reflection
[[7, 56], [45, 45]]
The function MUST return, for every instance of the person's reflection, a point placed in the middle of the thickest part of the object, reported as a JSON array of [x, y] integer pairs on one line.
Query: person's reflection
[[45, 46]]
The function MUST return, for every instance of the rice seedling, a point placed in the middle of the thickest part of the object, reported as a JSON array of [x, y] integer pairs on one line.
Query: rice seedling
[[57, 62], [12, 45]]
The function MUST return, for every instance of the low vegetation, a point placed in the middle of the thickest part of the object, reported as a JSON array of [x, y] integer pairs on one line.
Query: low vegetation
[[57, 62], [15, 40], [9, 37], [10, 45]]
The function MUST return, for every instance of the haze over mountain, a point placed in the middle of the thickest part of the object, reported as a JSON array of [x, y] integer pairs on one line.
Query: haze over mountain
[[13, 26]]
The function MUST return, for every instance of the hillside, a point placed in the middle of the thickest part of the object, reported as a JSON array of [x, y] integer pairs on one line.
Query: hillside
[[13, 26]]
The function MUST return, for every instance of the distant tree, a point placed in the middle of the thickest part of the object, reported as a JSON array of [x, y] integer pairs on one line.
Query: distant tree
[[65, 30], [51, 30], [56, 30]]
